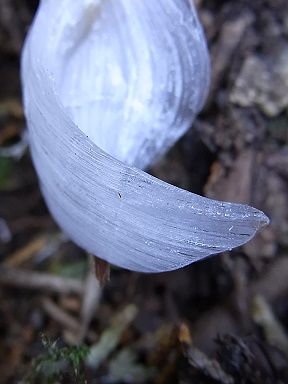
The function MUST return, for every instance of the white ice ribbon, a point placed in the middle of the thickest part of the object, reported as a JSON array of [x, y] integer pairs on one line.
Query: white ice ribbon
[[109, 86]]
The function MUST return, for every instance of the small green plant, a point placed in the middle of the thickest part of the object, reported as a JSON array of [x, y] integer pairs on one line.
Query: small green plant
[[57, 364]]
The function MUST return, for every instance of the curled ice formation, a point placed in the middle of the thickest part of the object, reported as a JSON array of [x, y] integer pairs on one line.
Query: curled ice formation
[[108, 87]]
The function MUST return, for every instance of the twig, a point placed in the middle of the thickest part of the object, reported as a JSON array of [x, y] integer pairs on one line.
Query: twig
[[59, 315], [91, 297], [231, 35], [39, 281], [26, 253], [69, 322]]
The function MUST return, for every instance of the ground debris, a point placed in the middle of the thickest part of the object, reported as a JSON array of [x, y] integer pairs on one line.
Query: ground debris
[[207, 367], [101, 269], [91, 298], [39, 281], [231, 34], [111, 337], [245, 361], [125, 368], [263, 81], [274, 332], [137, 325], [5, 233]]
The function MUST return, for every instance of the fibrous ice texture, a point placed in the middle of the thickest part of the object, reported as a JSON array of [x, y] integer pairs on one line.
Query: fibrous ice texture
[[109, 86]]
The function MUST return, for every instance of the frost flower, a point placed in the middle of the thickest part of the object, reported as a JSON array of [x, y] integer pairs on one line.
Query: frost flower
[[109, 86]]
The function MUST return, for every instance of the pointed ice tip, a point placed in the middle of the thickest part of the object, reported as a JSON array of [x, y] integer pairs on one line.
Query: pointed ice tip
[[263, 220]]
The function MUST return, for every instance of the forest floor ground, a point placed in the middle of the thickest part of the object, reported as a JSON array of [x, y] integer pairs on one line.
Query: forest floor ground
[[223, 320]]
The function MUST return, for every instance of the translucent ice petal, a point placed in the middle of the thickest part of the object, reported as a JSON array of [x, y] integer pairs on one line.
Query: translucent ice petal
[[131, 74], [83, 158]]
